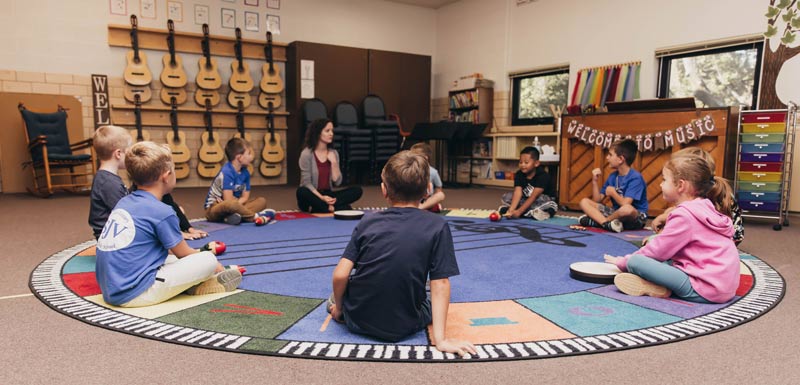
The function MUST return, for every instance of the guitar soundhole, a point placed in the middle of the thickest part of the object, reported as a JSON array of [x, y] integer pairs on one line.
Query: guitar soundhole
[[272, 83], [138, 73], [210, 79], [241, 81], [173, 76], [272, 152]]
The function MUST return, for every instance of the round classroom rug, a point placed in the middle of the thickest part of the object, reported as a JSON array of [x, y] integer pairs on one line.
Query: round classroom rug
[[514, 298]]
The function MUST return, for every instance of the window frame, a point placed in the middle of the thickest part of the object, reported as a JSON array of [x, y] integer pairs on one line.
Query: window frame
[[665, 65], [515, 85]]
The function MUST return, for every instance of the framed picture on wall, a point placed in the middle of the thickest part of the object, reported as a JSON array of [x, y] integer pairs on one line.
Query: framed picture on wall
[[274, 4], [118, 7], [175, 11], [251, 21], [228, 18], [251, 2], [147, 9], [274, 24], [201, 14]]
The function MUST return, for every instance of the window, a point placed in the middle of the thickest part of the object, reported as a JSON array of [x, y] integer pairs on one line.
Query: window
[[533, 93], [715, 77]]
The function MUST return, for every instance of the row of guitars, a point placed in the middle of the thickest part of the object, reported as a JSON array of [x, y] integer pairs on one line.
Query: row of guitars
[[211, 155], [173, 77]]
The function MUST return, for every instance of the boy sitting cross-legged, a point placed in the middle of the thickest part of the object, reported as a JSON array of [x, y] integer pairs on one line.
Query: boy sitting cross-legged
[[134, 264], [626, 189], [379, 283]]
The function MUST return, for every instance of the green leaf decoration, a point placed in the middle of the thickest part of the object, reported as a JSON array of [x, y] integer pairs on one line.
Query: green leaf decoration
[[787, 17], [795, 22], [788, 38], [772, 12], [783, 4], [771, 31]]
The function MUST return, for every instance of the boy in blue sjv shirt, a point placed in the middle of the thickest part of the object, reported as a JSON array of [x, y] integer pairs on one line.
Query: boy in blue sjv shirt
[[379, 283], [626, 189], [134, 267]]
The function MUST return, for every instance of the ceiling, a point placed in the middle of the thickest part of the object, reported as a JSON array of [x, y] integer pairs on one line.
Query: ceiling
[[433, 4]]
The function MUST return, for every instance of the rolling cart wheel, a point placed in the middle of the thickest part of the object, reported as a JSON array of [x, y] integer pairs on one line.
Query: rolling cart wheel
[[777, 227]]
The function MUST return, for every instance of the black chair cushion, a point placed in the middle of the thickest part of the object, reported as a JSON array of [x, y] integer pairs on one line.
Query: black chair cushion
[[69, 157], [53, 126]]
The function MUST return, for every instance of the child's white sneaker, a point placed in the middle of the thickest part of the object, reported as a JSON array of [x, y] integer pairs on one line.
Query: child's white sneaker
[[632, 284], [224, 281]]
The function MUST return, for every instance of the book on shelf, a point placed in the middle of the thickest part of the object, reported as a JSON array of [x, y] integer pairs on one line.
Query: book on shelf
[[482, 148], [466, 99], [470, 116]]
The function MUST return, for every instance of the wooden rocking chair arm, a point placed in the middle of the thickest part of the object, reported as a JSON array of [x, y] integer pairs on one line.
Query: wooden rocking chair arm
[[86, 143], [36, 142]]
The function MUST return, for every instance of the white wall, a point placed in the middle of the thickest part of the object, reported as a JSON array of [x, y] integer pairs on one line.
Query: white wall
[[579, 32], [71, 36]]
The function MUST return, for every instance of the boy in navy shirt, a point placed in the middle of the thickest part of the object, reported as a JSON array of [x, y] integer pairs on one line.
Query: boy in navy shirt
[[379, 283], [626, 189], [533, 193], [228, 197], [134, 267]]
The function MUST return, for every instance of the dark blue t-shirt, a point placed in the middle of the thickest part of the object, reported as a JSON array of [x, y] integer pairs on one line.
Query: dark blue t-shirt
[[541, 179], [394, 251], [630, 186], [133, 245]]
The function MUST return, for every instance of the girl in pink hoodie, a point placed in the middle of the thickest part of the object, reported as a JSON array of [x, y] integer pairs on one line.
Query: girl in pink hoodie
[[694, 257]]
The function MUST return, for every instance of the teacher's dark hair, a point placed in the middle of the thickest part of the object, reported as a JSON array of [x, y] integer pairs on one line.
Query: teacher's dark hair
[[314, 130]]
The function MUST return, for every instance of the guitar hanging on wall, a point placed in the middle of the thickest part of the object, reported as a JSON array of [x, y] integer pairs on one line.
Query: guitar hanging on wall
[[138, 134], [240, 132], [136, 71], [211, 153], [208, 77], [272, 154], [271, 81], [240, 81], [176, 141], [173, 76]]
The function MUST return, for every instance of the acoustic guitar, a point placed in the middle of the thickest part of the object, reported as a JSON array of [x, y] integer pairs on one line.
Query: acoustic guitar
[[235, 98], [240, 131], [271, 81], [208, 75], [202, 96], [272, 154], [240, 81], [144, 92], [168, 93], [138, 134], [265, 99], [176, 141], [211, 153], [173, 74], [136, 71]]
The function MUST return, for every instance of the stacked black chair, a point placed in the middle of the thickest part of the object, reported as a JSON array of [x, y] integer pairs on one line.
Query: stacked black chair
[[54, 162], [385, 133], [356, 143], [313, 109]]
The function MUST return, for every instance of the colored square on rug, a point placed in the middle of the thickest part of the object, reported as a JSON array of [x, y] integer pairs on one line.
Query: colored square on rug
[[314, 327], [292, 215], [80, 264], [743, 255], [745, 284], [173, 305], [588, 314], [245, 313], [744, 270], [470, 213], [673, 306], [499, 322], [90, 251], [82, 284]]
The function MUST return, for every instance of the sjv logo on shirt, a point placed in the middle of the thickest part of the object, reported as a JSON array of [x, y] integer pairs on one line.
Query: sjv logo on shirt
[[118, 232]]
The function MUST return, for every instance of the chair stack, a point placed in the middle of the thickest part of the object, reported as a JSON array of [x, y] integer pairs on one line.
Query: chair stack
[[385, 133], [356, 142]]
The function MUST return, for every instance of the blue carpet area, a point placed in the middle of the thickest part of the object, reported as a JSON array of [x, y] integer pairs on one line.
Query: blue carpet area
[[504, 260]]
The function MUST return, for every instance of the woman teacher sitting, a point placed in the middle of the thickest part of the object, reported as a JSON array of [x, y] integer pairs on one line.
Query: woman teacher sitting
[[320, 172]]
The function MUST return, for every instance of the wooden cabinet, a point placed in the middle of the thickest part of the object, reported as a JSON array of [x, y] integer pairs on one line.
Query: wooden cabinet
[[579, 158], [474, 105]]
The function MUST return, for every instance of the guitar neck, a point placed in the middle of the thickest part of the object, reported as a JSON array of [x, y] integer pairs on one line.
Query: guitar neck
[[135, 45]]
